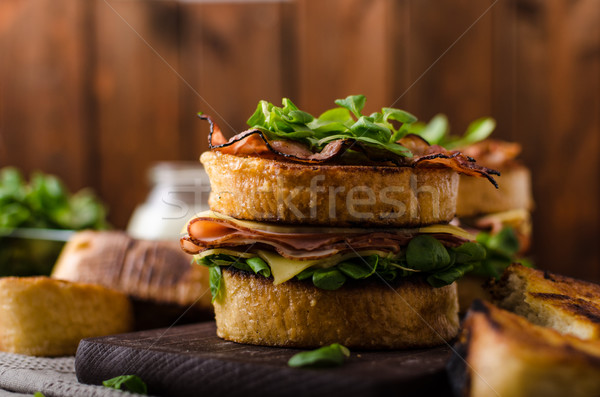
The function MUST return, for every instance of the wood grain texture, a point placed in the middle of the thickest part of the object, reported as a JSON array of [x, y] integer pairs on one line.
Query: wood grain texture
[[43, 82], [549, 103], [137, 97], [83, 96], [232, 57], [190, 360], [343, 50], [449, 60]]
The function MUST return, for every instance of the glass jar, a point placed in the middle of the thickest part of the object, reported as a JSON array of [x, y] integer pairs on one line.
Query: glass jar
[[179, 190]]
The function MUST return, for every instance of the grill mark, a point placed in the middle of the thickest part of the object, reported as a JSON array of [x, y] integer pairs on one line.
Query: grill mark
[[578, 306]]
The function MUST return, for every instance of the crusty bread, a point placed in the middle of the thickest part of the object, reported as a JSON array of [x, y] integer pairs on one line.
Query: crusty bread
[[502, 354], [476, 196], [569, 306], [157, 275], [365, 315], [261, 189], [41, 316]]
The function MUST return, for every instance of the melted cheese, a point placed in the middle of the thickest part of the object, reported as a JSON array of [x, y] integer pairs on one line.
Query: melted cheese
[[284, 269]]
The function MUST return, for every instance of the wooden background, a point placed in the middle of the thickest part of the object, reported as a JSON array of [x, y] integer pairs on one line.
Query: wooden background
[[96, 91]]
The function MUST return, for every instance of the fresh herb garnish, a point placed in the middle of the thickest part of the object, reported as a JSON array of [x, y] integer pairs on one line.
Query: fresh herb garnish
[[380, 130], [131, 383], [437, 132], [327, 356]]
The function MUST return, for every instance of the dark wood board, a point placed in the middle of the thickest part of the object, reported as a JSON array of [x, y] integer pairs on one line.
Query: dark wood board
[[192, 360]]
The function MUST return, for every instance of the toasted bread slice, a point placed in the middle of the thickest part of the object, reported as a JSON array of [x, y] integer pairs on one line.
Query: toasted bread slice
[[475, 197], [502, 354], [366, 315], [569, 306], [263, 189]]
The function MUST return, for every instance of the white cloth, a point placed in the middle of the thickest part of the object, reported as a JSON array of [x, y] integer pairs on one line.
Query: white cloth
[[54, 377]]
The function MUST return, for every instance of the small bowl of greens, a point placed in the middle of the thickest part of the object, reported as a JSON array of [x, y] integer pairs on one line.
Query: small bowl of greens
[[37, 217]]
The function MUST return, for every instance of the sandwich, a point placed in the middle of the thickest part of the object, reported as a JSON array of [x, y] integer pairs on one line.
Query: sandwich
[[501, 218], [502, 354], [333, 229]]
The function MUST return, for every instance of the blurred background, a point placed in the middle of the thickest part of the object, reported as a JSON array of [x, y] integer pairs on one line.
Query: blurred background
[[97, 91]]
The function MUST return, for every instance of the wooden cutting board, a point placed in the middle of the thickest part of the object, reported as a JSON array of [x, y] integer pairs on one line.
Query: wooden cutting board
[[191, 360]]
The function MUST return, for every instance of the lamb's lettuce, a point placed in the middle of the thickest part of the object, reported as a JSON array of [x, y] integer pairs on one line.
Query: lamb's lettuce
[[437, 132], [424, 256], [379, 130]]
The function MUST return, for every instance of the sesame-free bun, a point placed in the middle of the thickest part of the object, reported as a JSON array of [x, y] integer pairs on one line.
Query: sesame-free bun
[[476, 196], [263, 189], [407, 313]]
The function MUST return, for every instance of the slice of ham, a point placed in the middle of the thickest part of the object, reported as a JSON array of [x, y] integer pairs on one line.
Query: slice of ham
[[256, 142], [209, 233]]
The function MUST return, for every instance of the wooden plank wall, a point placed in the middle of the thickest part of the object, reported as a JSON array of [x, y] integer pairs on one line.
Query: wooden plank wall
[[97, 91]]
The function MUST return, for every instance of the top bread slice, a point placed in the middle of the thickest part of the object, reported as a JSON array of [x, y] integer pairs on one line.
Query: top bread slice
[[514, 192], [569, 306], [264, 189], [502, 354]]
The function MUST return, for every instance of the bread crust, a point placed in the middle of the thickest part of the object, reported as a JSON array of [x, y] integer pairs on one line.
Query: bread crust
[[505, 355], [476, 197], [150, 271], [570, 306], [262, 189], [363, 315], [41, 316]]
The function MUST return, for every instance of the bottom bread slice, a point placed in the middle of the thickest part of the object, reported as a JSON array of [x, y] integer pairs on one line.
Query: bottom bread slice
[[40, 316], [365, 315], [502, 354]]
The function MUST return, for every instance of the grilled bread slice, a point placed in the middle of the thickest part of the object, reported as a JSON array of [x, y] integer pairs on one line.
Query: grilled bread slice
[[263, 189], [569, 306], [502, 354], [41, 316], [367, 315]]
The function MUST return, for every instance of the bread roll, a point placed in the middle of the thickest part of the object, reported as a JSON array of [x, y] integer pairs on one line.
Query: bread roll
[[476, 196], [157, 275]]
